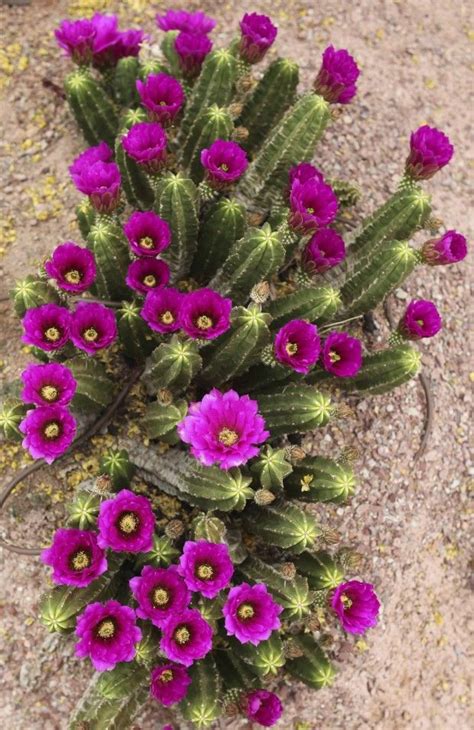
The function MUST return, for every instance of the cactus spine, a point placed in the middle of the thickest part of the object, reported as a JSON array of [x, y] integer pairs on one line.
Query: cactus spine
[[160, 420], [271, 468], [95, 710], [85, 217], [118, 467], [222, 225], [94, 390], [126, 73], [266, 658], [314, 303], [202, 703], [296, 408], [313, 667], [94, 112], [173, 365], [32, 292], [282, 524], [317, 479], [321, 570], [135, 336], [293, 594], [111, 252], [177, 203]]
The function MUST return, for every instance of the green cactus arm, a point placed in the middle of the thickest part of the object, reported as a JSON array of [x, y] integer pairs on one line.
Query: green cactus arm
[[235, 673], [268, 101], [271, 468], [126, 73], [313, 667], [265, 377], [136, 338], [211, 123], [94, 112], [202, 702], [282, 524], [321, 570], [266, 658], [208, 527], [110, 248], [162, 554], [295, 408], [160, 421], [135, 183], [31, 292], [173, 364], [169, 52], [117, 465], [292, 594], [95, 711], [95, 390], [117, 683], [222, 225], [84, 509], [177, 203], [85, 217], [315, 303], [317, 479], [12, 413]]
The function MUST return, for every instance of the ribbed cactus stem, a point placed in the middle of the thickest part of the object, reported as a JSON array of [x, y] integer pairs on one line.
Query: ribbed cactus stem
[[135, 183], [85, 217], [12, 413], [318, 479], [315, 303], [271, 468], [136, 338], [201, 706], [95, 390], [173, 365], [293, 594], [117, 465], [266, 658], [93, 110], [321, 570], [160, 420], [177, 203], [222, 225], [126, 73], [211, 123], [283, 525], [32, 292], [313, 667], [110, 248], [295, 409]]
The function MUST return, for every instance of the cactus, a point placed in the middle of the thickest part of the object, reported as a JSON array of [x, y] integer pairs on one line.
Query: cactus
[[177, 202], [135, 183], [266, 658], [316, 304], [32, 292], [295, 409], [94, 112], [211, 123], [313, 667], [160, 420], [126, 73], [12, 413], [293, 594], [283, 525], [85, 217], [173, 365], [221, 227], [317, 479], [95, 390], [98, 711], [117, 465], [271, 468], [201, 704], [110, 248], [83, 510], [321, 570], [135, 337]]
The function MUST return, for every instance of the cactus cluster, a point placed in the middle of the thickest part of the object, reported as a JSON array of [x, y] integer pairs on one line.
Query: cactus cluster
[[216, 262]]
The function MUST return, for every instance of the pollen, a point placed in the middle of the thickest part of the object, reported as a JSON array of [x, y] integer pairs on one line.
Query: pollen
[[166, 676], [228, 437], [346, 601], [52, 334], [106, 629], [73, 276], [149, 280], [182, 635], [90, 334], [205, 571], [246, 611], [224, 167], [160, 597], [128, 523], [167, 317], [49, 393], [146, 242], [52, 430], [80, 560], [334, 356], [291, 348], [204, 322]]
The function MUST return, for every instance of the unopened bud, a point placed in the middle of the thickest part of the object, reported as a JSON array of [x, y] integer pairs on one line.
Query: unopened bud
[[434, 224], [295, 453], [103, 484], [165, 396], [231, 709], [235, 110], [260, 292], [313, 622], [263, 497], [174, 529], [288, 570], [240, 134], [246, 83], [342, 410], [349, 456], [292, 650], [349, 559], [329, 535], [255, 219]]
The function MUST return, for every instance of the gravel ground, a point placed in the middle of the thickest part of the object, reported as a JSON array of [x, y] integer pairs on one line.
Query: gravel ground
[[410, 520]]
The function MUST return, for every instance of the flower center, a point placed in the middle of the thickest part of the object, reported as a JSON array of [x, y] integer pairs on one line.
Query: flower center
[[346, 601], [204, 322], [105, 629], [182, 635], [52, 430], [228, 437], [224, 167], [146, 242], [90, 334], [80, 560], [149, 280], [73, 276], [166, 676], [160, 597], [167, 317], [128, 523], [310, 210], [49, 393], [419, 322], [291, 348], [334, 356], [52, 334], [162, 103], [205, 571], [246, 611]]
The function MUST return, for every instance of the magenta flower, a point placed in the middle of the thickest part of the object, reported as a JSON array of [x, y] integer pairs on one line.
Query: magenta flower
[[48, 384], [224, 162], [258, 34], [147, 233], [130, 42], [162, 95], [75, 557], [186, 637], [205, 314], [100, 153], [72, 267], [146, 274], [160, 593], [49, 432], [198, 22], [169, 683], [263, 707], [101, 182], [146, 143], [449, 249], [110, 44], [323, 251], [430, 150], [356, 605], [303, 172], [297, 345], [342, 355], [421, 319], [126, 523], [162, 308], [206, 567], [250, 613], [224, 429], [93, 327], [46, 327], [336, 80], [108, 634], [313, 205], [76, 37], [192, 49]]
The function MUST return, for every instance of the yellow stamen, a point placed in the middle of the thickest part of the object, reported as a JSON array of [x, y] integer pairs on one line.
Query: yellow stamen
[[246, 611], [205, 571], [146, 242], [80, 560], [90, 334], [149, 280], [166, 676], [334, 356], [291, 348], [204, 322], [310, 210], [128, 523], [52, 334], [73, 276], [49, 393], [167, 317], [224, 167], [346, 601], [182, 635], [160, 597], [106, 629], [228, 437], [52, 430]]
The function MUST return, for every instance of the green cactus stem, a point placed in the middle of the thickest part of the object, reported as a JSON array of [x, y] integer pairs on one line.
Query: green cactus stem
[[271, 468], [96, 711], [126, 73], [313, 667], [111, 251], [266, 658], [201, 706], [235, 673], [12, 413], [83, 510], [296, 408], [95, 390], [173, 365], [270, 98], [223, 224], [255, 258], [117, 465], [293, 594], [177, 203], [292, 140], [208, 527], [94, 112], [117, 683], [32, 292], [160, 420], [135, 183], [85, 217], [237, 349], [136, 338], [317, 479], [162, 554], [347, 193], [282, 524], [316, 304], [321, 570], [169, 52], [211, 123]]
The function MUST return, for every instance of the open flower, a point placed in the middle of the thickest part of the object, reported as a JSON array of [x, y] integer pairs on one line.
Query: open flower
[[46, 327], [49, 432], [303, 172], [257, 35], [146, 274], [324, 250], [108, 634], [421, 319], [250, 613], [75, 557], [224, 162], [356, 605], [198, 22], [162, 95], [297, 345], [205, 314], [101, 182], [224, 429], [169, 683], [146, 143], [336, 80], [263, 707], [76, 37], [206, 567], [110, 44], [313, 205], [342, 355], [430, 150], [450, 248], [186, 637], [147, 233], [126, 523], [72, 267], [192, 49], [162, 308], [99, 153], [48, 384], [93, 327], [160, 593]]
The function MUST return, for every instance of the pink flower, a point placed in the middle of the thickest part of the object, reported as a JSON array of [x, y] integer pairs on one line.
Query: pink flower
[[162, 95], [192, 49], [186, 637], [420, 320], [126, 523], [108, 634], [146, 274], [430, 150], [93, 327], [169, 684], [336, 80], [297, 345], [147, 233], [47, 327], [160, 593], [206, 567], [342, 355], [324, 250], [225, 162], [258, 35], [205, 314], [162, 309], [49, 432], [72, 267], [250, 613], [313, 205], [450, 248], [263, 707], [75, 557], [48, 384], [356, 605]]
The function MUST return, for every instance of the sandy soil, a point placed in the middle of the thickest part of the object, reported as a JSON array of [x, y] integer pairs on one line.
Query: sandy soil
[[410, 520]]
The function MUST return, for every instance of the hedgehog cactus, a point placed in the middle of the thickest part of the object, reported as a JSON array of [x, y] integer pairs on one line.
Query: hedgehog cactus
[[194, 564]]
